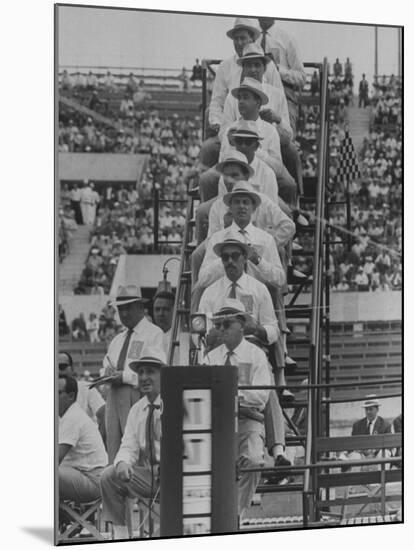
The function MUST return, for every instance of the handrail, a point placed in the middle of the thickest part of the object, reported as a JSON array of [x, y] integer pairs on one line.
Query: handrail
[[174, 325], [317, 282]]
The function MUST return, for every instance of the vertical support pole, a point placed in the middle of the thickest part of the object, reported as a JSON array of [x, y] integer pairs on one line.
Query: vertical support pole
[[204, 96], [376, 52], [399, 60], [156, 196]]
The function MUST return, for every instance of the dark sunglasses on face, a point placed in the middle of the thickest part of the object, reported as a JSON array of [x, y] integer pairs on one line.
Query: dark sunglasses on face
[[247, 142], [63, 366], [225, 324], [234, 256]]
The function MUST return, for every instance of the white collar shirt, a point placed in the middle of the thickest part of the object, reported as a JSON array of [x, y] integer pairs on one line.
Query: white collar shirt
[[277, 102], [286, 56], [144, 333], [89, 399], [252, 293], [133, 444], [87, 450], [269, 270], [253, 370], [267, 216], [228, 76], [269, 148]]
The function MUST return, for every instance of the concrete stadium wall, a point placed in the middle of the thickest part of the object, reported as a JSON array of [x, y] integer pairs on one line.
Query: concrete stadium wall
[[101, 166], [74, 304]]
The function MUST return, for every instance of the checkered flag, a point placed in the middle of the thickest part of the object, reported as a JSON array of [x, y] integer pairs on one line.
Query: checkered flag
[[348, 169]]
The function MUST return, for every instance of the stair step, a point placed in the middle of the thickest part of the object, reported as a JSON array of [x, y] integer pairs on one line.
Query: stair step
[[298, 312]]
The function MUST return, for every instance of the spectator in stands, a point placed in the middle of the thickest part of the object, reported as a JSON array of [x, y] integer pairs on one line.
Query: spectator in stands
[[91, 81], [315, 83], [75, 201], [79, 327], [286, 56], [363, 92], [82, 455], [131, 85], [230, 320], [163, 309], [63, 326], [337, 68], [124, 348], [92, 326], [109, 82], [197, 72], [135, 469], [66, 82], [183, 78]]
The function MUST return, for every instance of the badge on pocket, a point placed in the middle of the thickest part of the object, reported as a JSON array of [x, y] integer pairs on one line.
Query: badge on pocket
[[135, 349]]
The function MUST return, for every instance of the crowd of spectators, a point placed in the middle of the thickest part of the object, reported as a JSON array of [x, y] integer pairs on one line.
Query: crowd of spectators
[[374, 261]]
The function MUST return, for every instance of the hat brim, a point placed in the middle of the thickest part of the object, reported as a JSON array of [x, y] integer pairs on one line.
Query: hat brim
[[242, 133], [253, 30], [149, 361], [254, 196], [220, 165], [263, 97], [265, 58], [117, 302], [218, 316], [217, 248], [366, 405]]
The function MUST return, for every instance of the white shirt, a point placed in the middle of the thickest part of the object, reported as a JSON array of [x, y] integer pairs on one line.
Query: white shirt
[[144, 333], [252, 293], [267, 216], [228, 76], [134, 438], [277, 102], [269, 270], [286, 55], [81, 433], [269, 148], [253, 370], [89, 399]]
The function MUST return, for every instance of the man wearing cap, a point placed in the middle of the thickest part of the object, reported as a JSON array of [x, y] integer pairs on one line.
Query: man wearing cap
[[228, 73], [250, 97], [126, 347], [272, 214], [372, 423], [285, 55], [264, 261], [135, 469], [236, 283], [253, 370], [254, 63], [82, 455], [275, 112]]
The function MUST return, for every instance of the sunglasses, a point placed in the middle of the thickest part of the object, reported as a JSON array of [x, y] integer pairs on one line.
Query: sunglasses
[[234, 256], [225, 324]]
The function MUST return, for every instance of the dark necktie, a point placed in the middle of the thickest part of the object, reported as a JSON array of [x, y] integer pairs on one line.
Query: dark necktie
[[243, 233], [122, 356], [263, 41], [227, 362], [150, 434], [369, 427], [232, 293]]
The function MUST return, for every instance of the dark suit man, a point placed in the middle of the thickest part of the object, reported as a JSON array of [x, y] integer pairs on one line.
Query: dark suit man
[[372, 424]]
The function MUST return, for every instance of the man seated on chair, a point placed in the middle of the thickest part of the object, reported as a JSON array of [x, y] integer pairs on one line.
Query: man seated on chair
[[372, 424], [82, 455], [253, 370], [135, 469]]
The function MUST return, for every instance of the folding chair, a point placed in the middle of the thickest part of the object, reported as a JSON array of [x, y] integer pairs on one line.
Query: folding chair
[[84, 516]]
